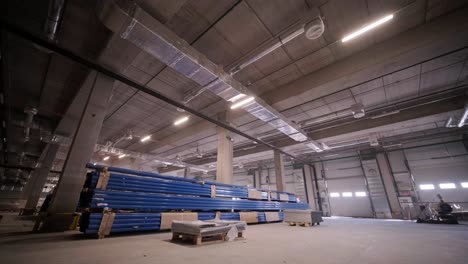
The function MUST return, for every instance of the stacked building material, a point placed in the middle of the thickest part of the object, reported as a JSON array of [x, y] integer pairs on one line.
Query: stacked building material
[[121, 200], [132, 222], [303, 217]]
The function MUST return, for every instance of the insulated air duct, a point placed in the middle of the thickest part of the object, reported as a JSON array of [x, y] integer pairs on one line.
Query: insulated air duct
[[132, 23]]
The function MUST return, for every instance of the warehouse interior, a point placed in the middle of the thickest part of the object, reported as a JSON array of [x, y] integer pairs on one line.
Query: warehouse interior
[[123, 118]]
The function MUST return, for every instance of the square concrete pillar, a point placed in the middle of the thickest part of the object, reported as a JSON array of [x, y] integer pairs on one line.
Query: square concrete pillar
[[279, 171], [67, 192], [224, 161], [39, 178]]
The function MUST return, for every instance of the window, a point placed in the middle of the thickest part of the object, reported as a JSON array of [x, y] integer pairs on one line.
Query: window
[[347, 194], [449, 185], [334, 194], [426, 186], [360, 194], [464, 184]]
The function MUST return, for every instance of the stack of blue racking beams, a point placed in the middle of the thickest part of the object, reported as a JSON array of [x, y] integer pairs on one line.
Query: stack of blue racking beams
[[138, 198], [133, 222], [139, 181]]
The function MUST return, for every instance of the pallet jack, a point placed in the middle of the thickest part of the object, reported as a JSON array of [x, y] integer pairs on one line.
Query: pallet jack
[[440, 215]]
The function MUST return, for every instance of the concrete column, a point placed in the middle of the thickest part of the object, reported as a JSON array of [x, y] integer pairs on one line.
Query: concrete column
[[224, 161], [279, 171], [308, 185], [67, 192], [258, 178], [388, 180], [186, 172], [39, 178]]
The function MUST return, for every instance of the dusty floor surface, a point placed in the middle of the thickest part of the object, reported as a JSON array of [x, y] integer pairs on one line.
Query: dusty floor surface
[[337, 240]]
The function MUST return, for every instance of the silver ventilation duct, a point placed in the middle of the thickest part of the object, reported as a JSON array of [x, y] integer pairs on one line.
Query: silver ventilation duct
[[135, 25], [109, 149], [54, 16], [146, 157]]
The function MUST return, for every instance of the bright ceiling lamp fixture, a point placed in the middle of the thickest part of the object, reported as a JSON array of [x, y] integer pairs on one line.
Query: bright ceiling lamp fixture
[[243, 102], [146, 138], [181, 120], [426, 186], [464, 117], [367, 28], [449, 185], [122, 156], [315, 146], [106, 158], [237, 97]]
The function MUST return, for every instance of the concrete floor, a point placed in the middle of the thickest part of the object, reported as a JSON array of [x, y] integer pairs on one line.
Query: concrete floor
[[337, 240]]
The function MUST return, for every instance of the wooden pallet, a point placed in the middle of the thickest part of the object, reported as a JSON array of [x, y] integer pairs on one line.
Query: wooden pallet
[[302, 224], [202, 240]]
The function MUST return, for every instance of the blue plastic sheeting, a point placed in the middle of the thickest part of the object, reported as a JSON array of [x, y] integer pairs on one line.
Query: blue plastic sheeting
[[125, 179], [139, 201]]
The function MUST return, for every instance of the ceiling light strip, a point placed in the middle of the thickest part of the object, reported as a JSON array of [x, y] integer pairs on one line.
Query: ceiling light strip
[[243, 102], [181, 120], [367, 28]]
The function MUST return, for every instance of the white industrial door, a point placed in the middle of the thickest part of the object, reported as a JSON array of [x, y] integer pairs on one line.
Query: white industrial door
[[440, 169], [347, 190]]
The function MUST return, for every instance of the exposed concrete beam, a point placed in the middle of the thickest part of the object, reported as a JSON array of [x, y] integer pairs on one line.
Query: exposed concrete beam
[[442, 35], [358, 125]]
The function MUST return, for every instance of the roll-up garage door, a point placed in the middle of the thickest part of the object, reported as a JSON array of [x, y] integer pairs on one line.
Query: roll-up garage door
[[440, 169], [347, 190]]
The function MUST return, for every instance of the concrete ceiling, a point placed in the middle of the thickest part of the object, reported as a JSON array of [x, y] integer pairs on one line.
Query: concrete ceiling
[[417, 58]]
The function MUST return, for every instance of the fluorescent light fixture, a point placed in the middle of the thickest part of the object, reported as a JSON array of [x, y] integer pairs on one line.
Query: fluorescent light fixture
[[449, 185], [325, 146], [464, 117], [367, 28], [360, 194], [122, 156], [464, 184], [199, 169], [145, 138], [106, 158], [347, 194], [236, 97], [243, 102], [181, 120], [385, 114], [392, 145], [314, 145], [333, 194], [426, 186], [449, 122]]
